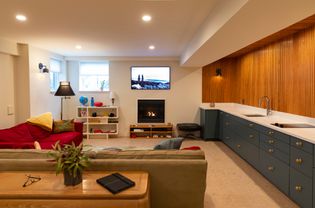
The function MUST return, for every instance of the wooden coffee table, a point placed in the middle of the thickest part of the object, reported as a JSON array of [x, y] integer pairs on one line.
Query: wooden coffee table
[[50, 191]]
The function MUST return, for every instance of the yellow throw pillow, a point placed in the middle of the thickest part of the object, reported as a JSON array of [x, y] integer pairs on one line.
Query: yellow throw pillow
[[63, 126], [44, 121]]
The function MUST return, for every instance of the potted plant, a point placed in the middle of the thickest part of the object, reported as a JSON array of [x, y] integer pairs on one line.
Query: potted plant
[[71, 160]]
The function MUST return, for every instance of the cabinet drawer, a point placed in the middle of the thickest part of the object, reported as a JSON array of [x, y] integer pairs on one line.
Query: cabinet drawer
[[227, 137], [275, 134], [301, 161], [250, 153], [250, 135], [303, 145], [248, 124], [283, 147], [276, 171], [301, 188], [271, 150]]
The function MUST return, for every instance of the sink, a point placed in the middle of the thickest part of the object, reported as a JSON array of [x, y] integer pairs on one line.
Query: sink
[[293, 125], [254, 115]]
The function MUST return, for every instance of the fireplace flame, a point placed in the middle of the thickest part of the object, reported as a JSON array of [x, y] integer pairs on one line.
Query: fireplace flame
[[151, 114]]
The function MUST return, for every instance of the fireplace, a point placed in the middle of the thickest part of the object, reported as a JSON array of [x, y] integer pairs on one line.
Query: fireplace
[[151, 111]]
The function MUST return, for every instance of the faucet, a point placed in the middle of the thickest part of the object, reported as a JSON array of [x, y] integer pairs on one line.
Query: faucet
[[268, 107]]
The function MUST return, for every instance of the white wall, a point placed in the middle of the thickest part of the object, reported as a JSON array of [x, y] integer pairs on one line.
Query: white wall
[[6, 90], [41, 99], [182, 101], [8, 47], [22, 84]]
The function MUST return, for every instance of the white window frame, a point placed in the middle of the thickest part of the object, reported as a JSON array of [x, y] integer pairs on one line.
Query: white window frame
[[54, 73], [105, 75]]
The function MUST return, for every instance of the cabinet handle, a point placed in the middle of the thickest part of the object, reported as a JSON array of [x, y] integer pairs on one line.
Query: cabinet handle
[[270, 150], [251, 125], [299, 143], [227, 123], [270, 132], [298, 188], [251, 136], [238, 146], [227, 137], [271, 141], [271, 168], [298, 160]]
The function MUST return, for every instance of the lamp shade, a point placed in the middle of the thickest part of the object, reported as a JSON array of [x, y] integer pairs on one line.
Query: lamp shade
[[64, 89], [112, 95]]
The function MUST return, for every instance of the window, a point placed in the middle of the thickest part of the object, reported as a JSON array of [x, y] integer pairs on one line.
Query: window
[[55, 69], [94, 76]]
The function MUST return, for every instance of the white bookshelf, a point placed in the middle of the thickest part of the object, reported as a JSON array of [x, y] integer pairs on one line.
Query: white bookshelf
[[98, 121]]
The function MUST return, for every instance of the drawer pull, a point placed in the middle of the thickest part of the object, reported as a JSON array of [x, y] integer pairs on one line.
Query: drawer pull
[[271, 168], [270, 150], [270, 132], [238, 146], [298, 160], [251, 136], [227, 123], [298, 188], [227, 137], [299, 143], [251, 125], [271, 141]]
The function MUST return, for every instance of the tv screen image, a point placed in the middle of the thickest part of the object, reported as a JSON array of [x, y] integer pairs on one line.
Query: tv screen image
[[150, 78]]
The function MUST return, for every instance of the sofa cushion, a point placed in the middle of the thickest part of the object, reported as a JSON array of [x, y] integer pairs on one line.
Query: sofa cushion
[[37, 132], [170, 144], [148, 154], [64, 138], [16, 134], [63, 126], [16, 145], [24, 154]]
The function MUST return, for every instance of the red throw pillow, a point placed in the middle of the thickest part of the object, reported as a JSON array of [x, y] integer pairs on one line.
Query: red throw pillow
[[192, 148]]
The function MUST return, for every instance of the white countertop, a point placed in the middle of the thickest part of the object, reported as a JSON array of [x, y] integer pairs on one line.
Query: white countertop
[[307, 134]]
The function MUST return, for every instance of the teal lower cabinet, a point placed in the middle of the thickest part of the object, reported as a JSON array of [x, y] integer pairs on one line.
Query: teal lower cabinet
[[276, 171], [285, 161], [301, 188], [249, 152], [209, 122]]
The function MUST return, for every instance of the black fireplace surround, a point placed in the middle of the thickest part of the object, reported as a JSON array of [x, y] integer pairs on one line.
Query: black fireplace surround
[[151, 111]]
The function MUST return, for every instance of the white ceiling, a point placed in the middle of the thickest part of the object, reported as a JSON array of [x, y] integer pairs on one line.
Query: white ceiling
[[105, 27], [196, 32]]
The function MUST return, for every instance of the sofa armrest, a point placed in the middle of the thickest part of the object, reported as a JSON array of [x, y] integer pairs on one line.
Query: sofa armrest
[[78, 126]]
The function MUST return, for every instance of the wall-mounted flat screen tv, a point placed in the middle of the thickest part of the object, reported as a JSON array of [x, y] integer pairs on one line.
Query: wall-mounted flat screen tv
[[150, 77]]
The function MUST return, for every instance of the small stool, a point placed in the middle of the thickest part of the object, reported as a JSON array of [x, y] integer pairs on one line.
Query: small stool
[[189, 129]]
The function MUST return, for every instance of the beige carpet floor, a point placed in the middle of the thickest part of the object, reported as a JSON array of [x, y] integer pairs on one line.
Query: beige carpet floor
[[231, 182]]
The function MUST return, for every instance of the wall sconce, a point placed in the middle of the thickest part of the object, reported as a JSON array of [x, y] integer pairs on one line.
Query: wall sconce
[[43, 68], [218, 72]]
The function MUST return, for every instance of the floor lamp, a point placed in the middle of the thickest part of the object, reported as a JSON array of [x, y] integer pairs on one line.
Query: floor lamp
[[64, 90]]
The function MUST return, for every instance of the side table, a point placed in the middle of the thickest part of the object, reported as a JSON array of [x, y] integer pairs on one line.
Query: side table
[[50, 191]]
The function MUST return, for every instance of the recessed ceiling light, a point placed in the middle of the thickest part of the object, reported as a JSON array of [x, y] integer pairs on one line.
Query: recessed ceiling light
[[146, 18], [78, 47], [151, 47], [21, 17]]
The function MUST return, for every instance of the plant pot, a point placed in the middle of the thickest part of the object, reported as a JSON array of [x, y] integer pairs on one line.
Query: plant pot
[[69, 180]]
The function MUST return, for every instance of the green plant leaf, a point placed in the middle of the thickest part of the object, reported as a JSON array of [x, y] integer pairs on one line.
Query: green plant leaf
[[69, 158]]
